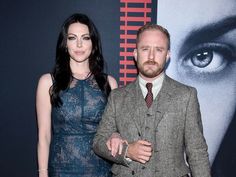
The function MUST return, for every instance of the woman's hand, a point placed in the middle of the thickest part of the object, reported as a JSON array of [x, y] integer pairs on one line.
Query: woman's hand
[[115, 144]]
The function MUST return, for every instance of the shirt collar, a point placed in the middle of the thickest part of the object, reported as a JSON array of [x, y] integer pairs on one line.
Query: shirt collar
[[157, 84]]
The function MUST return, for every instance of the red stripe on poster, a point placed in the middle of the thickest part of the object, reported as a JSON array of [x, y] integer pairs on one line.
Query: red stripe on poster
[[136, 1], [129, 9]]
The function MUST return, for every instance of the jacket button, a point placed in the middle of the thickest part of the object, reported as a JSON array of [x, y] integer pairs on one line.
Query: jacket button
[[133, 172], [143, 167]]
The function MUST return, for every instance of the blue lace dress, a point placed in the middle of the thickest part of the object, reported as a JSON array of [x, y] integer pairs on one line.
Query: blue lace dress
[[74, 125]]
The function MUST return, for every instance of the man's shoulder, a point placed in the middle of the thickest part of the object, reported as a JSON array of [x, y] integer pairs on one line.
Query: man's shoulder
[[125, 88], [178, 84]]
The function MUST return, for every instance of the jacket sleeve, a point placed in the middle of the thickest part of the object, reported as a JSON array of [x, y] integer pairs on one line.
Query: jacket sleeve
[[196, 147], [106, 127]]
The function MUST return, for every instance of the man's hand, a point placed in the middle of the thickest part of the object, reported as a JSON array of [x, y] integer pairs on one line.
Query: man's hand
[[115, 144], [140, 151]]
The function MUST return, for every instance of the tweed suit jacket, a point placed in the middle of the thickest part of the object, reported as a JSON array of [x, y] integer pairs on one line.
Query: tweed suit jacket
[[172, 124]]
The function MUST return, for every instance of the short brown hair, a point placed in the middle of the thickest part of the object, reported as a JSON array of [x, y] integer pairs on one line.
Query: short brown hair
[[151, 26]]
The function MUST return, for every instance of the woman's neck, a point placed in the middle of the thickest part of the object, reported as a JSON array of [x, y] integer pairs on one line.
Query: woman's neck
[[81, 76], [79, 68]]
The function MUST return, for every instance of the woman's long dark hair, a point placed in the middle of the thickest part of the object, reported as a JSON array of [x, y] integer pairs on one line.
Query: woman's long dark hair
[[62, 74]]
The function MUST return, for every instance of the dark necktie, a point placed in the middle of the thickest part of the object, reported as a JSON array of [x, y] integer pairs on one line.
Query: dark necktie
[[149, 96]]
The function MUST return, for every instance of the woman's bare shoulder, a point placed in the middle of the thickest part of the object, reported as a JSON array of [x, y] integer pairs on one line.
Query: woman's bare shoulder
[[112, 82], [45, 80]]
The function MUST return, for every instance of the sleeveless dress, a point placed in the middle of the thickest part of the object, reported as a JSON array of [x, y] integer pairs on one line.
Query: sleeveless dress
[[74, 125]]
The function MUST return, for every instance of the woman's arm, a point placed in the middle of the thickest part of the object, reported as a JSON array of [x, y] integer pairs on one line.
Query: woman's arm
[[43, 109], [112, 82]]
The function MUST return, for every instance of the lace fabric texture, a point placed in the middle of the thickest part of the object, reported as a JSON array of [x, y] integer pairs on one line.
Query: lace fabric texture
[[74, 125]]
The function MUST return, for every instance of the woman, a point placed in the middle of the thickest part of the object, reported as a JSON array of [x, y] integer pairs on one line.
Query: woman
[[70, 102]]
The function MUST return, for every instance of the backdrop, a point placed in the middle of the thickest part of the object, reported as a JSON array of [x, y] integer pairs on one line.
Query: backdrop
[[203, 55]]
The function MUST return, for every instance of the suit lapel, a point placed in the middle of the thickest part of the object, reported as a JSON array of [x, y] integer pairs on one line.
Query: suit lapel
[[134, 100], [163, 99]]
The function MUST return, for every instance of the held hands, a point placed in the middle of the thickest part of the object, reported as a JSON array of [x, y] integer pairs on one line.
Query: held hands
[[115, 144], [140, 151]]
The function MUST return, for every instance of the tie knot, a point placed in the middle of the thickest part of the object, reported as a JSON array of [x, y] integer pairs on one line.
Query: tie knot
[[149, 87]]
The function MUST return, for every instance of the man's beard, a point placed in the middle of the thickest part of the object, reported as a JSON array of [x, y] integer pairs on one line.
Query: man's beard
[[150, 72]]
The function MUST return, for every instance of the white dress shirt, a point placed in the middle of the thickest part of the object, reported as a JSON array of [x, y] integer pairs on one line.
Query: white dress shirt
[[157, 84]]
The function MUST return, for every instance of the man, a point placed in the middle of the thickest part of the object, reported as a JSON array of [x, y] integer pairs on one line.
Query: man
[[158, 132]]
